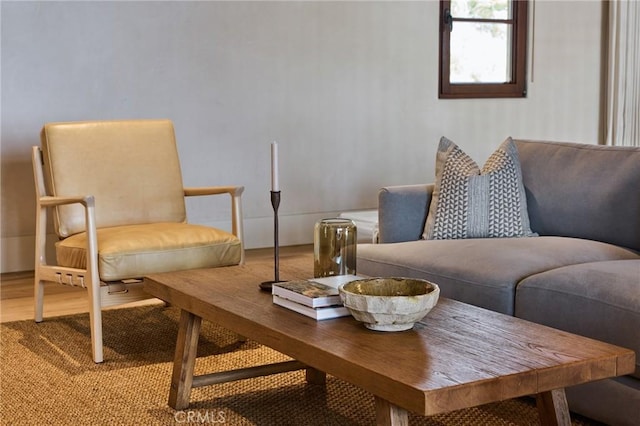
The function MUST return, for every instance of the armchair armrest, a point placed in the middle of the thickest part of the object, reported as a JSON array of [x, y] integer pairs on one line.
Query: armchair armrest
[[402, 211], [44, 271], [213, 190], [51, 201], [236, 205]]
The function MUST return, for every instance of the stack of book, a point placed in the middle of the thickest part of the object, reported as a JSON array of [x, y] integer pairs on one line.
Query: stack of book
[[317, 298]]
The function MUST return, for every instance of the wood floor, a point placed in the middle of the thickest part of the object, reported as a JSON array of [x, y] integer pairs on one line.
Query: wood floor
[[16, 291]]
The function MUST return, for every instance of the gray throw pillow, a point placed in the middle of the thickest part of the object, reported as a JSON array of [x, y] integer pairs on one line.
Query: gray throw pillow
[[472, 203]]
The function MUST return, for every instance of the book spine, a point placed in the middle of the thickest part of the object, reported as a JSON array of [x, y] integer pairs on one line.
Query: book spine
[[301, 309], [312, 302], [317, 313]]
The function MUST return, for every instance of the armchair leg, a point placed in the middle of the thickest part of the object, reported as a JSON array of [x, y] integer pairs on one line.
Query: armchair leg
[[95, 323], [95, 320], [38, 299]]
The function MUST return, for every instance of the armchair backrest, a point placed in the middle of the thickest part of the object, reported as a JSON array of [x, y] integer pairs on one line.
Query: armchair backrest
[[131, 167]]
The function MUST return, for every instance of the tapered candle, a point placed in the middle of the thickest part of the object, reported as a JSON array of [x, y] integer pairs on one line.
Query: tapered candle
[[275, 185]]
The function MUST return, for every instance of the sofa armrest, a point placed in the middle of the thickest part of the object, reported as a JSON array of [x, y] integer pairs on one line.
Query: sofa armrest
[[402, 211]]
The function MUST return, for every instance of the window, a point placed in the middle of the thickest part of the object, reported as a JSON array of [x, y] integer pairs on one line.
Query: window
[[483, 48]]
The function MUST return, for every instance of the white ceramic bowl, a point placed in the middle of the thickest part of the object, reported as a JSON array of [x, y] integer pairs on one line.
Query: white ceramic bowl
[[389, 304]]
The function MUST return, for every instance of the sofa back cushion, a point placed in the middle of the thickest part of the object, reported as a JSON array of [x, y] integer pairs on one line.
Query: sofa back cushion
[[583, 191]]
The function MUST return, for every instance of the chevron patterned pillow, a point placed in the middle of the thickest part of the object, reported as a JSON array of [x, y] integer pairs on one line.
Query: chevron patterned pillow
[[472, 203]]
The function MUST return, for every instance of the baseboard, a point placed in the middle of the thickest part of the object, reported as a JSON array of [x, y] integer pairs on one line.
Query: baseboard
[[17, 253]]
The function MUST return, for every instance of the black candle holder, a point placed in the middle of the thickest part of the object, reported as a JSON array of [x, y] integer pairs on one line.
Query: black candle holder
[[275, 202]]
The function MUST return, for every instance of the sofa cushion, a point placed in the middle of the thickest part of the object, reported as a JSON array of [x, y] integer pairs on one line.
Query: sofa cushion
[[583, 191], [599, 300], [482, 271], [472, 203], [613, 402]]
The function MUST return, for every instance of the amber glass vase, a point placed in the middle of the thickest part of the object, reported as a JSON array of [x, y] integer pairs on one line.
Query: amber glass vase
[[334, 247]]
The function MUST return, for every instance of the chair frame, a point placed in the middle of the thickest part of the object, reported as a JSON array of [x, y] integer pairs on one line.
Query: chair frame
[[100, 294]]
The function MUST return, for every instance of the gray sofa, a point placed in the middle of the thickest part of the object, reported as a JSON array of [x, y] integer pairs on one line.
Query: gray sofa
[[580, 274]]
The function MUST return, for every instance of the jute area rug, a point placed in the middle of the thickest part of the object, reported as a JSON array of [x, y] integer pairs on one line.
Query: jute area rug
[[48, 377]]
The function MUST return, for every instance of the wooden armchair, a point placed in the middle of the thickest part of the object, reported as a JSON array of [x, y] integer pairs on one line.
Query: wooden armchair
[[115, 190]]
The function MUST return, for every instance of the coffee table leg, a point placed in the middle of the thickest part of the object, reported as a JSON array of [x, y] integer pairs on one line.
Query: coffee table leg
[[315, 377], [553, 408], [184, 360], [388, 414]]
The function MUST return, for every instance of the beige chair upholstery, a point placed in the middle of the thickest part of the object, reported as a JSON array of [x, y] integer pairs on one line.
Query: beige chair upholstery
[[118, 203]]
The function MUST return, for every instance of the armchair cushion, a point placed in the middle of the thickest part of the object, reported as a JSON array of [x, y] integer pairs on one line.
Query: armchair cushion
[[127, 165], [136, 250]]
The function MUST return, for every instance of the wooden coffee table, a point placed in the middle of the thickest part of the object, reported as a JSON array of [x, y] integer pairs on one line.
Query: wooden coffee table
[[459, 356]]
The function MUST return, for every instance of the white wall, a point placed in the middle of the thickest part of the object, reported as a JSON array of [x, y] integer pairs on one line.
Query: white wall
[[348, 89]]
